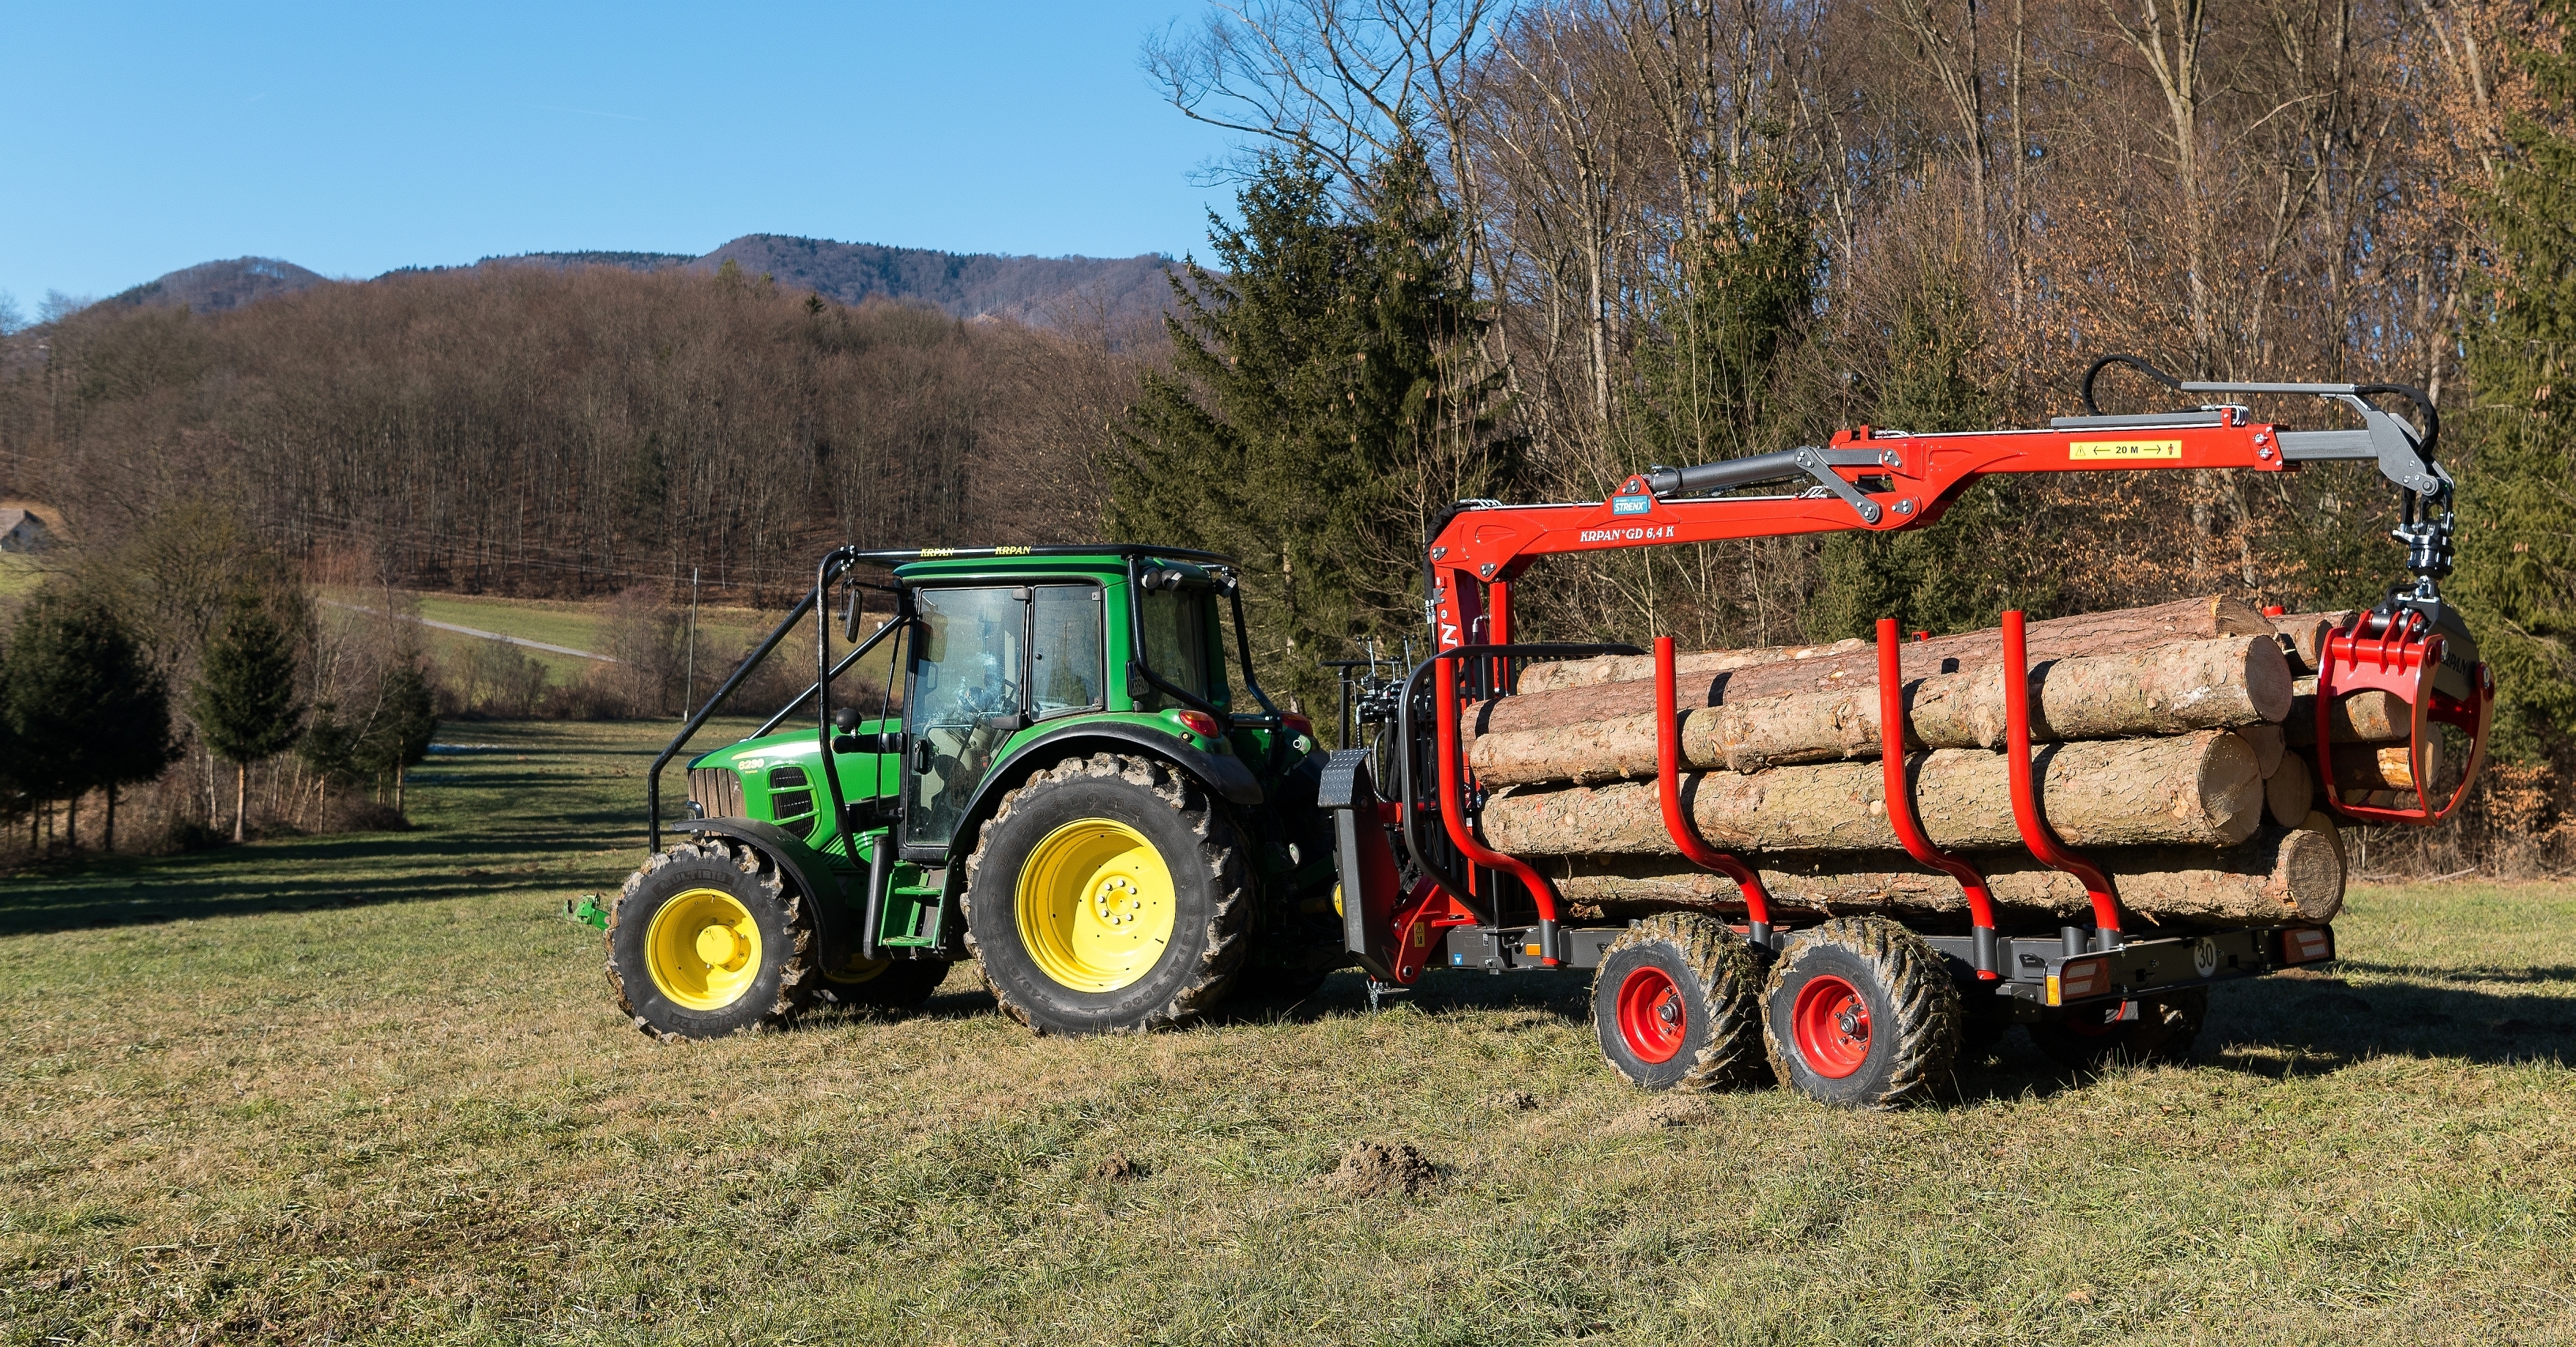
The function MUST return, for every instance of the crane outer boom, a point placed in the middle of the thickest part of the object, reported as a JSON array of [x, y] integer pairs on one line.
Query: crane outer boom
[[1866, 479]]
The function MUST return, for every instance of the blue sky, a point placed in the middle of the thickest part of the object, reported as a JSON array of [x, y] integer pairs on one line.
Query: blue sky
[[356, 138]]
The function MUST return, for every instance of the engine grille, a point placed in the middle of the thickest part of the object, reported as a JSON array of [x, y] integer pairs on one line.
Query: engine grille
[[716, 792]]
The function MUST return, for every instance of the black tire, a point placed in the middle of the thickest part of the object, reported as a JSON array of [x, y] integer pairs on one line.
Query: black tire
[[770, 986], [1676, 1005], [896, 984], [2083, 1038], [1881, 1010], [1211, 898]]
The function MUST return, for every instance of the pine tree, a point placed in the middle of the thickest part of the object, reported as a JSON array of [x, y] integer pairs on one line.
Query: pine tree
[[399, 734], [1320, 381], [1963, 570], [2517, 577], [244, 700], [86, 710]]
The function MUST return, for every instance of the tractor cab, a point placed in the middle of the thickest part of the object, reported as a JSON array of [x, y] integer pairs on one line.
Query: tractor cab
[[999, 675]]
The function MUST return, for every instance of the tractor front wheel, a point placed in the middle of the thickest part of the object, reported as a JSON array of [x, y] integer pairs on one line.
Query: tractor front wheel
[[710, 939], [1108, 895], [1862, 1013]]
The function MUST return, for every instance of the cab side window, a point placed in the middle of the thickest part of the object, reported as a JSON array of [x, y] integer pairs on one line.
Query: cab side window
[[1065, 673]]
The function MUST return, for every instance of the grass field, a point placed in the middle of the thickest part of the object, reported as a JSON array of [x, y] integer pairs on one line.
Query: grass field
[[20, 574], [373, 1089], [723, 633]]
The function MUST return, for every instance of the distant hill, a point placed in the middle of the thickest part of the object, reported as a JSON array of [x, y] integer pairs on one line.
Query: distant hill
[[630, 261], [1041, 291], [212, 287]]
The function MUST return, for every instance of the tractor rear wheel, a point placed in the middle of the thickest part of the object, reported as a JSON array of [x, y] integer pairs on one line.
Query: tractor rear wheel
[[1861, 1013], [890, 984], [1108, 895], [710, 939], [2088, 1038], [1677, 1005]]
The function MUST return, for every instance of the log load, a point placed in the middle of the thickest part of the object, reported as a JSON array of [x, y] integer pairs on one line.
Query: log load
[[2167, 689], [2290, 792], [2303, 636], [2270, 744], [2292, 874], [1571, 692], [2377, 767], [2194, 789], [2370, 716]]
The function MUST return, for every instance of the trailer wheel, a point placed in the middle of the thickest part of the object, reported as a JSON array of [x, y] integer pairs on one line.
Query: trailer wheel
[[1676, 1006], [1108, 895], [890, 984], [2086, 1038], [1860, 1012], [710, 939]]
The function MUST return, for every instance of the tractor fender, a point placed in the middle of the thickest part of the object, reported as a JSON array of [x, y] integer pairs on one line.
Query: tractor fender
[[1225, 775], [835, 926]]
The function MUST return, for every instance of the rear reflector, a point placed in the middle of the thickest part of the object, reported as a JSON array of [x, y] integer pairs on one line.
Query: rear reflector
[[2084, 977], [2306, 944]]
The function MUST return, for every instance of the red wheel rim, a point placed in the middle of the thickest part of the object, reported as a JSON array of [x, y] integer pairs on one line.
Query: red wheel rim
[[1831, 1023], [1651, 1014], [2094, 1021]]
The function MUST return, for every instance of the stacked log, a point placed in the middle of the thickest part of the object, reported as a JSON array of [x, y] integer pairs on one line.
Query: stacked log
[[2167, 689], [2293, 874], [2168, 749]]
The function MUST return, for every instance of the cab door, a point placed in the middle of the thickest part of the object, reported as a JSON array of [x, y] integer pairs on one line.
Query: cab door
[[988, 662], [966, 693]]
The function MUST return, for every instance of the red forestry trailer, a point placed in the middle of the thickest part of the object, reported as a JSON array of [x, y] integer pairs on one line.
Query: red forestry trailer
[[1859, 1010]]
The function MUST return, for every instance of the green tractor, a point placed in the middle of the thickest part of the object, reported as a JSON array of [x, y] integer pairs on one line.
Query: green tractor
[[1076, 790]]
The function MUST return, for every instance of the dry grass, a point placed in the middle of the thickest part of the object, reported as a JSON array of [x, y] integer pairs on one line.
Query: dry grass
[[373, 1089]]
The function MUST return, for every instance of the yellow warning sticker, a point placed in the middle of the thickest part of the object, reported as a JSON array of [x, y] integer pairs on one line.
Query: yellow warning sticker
[[2082, 450]]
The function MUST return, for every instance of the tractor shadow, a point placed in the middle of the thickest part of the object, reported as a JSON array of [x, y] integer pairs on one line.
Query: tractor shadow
[[1439, 992]]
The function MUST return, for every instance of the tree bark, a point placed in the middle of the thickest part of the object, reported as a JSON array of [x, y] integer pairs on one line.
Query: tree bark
[[1573, 691], [108, 842], [2196, 789], [2168, 689], [241, 798], [2294, 874]]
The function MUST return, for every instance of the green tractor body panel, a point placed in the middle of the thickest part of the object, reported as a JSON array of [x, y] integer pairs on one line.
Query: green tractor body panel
[[1012, 664]]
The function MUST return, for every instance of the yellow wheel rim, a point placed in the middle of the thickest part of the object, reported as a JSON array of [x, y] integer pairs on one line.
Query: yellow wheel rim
[[1095, 905], [703, 949]]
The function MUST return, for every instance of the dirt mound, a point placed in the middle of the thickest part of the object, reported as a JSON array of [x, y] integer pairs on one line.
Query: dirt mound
[[1372, 1169], [1673, 1110]]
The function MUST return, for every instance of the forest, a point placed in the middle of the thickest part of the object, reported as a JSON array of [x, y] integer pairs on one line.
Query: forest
[[1513, 251]]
